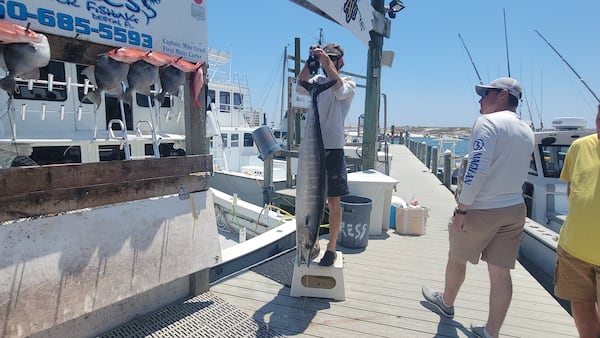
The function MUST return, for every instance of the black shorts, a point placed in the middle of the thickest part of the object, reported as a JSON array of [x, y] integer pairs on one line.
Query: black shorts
[[337, 178]]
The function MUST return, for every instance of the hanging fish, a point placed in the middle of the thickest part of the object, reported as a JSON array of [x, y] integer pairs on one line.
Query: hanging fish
[[22, 54], [310, 195], [171, 78], [11, 33], [158, 58], [144, 73], [197, 79], [127, 55], [140, 77], [109, 75]]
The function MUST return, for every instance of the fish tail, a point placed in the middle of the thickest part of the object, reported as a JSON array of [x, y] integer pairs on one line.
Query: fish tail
[[316, 88], [160, 97], [127, 97], [94, 97], [9, 84]]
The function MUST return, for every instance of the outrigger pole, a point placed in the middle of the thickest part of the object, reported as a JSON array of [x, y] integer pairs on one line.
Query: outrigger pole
[[470, 58], [573, 70]]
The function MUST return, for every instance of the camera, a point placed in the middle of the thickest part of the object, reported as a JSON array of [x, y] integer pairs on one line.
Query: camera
[[313, 64]]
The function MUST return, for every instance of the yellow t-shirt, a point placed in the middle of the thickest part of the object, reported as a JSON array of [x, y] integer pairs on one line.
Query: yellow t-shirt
[[580, 234]]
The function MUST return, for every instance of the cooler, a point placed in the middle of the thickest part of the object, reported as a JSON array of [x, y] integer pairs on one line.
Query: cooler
[[378, 187]]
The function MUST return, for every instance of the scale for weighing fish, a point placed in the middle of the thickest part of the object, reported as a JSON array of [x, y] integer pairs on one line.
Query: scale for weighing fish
[[319, 281]]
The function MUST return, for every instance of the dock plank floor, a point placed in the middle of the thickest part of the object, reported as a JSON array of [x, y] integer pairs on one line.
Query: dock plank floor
[[383, 283]]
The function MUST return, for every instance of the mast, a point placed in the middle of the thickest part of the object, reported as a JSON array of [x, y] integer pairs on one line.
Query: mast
[[283, 84]]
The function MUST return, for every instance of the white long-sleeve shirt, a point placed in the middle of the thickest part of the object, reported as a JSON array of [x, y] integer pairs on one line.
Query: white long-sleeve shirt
[[501, 147], [334, 106]]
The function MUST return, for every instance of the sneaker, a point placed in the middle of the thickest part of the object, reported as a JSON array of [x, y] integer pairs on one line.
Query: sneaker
[[328, 258], [436, 299], [480, 331]]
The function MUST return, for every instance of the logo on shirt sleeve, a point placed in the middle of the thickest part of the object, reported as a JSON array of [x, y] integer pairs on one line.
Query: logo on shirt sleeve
[[478, 144]]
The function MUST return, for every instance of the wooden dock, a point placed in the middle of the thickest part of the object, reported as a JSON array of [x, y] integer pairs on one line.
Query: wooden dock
[[382, 289], [383, 283]]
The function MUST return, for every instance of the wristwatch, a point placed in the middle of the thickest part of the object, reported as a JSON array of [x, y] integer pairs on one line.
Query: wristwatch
[[460, 212]]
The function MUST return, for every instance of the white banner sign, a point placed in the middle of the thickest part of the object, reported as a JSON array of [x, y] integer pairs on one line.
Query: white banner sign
[[174, 27], [354, 15]]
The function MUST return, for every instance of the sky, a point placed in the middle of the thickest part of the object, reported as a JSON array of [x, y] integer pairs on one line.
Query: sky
[[431, 81]]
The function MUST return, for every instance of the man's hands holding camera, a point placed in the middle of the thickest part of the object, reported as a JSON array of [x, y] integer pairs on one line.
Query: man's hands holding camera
[[313, 62], [318, 58]]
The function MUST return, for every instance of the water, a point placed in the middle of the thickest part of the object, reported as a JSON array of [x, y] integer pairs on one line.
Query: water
[[458, 147]]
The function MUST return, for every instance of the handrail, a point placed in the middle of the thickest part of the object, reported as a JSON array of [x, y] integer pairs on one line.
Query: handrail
[[124, 138]]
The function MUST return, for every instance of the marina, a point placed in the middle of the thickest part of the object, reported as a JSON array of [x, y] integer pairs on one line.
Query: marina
[[145, 196], [382, 283]]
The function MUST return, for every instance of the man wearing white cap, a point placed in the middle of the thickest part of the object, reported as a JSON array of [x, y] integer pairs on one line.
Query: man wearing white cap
[[489, 218]]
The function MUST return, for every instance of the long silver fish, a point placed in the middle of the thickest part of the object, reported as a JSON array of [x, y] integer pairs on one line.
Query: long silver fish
[[23, 59], [310, 181]]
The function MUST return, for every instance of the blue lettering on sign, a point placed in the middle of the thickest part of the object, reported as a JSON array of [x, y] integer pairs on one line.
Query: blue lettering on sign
[[110, 22], [351, 11], [473, 167], [69, 2]]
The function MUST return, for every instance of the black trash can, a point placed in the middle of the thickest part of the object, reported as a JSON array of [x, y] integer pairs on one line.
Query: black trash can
[[356, 215]]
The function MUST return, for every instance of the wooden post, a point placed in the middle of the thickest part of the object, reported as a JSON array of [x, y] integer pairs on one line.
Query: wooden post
[[422, 147], [434, 160], [195, 119], [428, 157], [268, 179], [447, 169], [196, 144]]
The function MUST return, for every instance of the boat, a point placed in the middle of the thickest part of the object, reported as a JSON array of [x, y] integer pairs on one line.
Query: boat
[[121, 196], [546, 198]]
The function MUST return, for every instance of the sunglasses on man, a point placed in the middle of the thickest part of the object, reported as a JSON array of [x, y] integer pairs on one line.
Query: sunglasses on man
[[490, 90]]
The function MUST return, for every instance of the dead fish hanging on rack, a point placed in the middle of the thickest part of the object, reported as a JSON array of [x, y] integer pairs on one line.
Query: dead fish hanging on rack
[[22, 53], [107, 74], [145, 73], [197, 78]]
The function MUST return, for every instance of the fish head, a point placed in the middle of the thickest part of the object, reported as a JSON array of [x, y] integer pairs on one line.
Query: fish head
[[185, 66], [158, 58], [305, 242], [127, 55], [11, 33]]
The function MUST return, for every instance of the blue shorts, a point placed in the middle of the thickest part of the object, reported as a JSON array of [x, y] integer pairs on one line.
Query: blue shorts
[[337, 178]]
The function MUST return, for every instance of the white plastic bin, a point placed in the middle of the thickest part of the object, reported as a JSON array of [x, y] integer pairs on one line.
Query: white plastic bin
[[378, 187]]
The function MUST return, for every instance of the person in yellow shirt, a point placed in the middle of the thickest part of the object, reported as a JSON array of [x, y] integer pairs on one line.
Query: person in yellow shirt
[[577, 276]]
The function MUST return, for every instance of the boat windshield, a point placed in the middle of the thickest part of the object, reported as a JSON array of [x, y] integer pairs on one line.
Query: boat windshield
[[553, 159]]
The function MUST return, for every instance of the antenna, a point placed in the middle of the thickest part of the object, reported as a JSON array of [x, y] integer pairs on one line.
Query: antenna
[[573, 70], [506, 42], [470, 58], [320, 36]]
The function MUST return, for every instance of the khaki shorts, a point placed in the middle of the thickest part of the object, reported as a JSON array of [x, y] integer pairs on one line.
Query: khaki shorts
[[574, 279], [492, 234]]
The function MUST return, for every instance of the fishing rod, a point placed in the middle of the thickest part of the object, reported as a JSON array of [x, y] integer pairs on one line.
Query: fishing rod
[[573, 70], [470, 58], [506, 42]]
